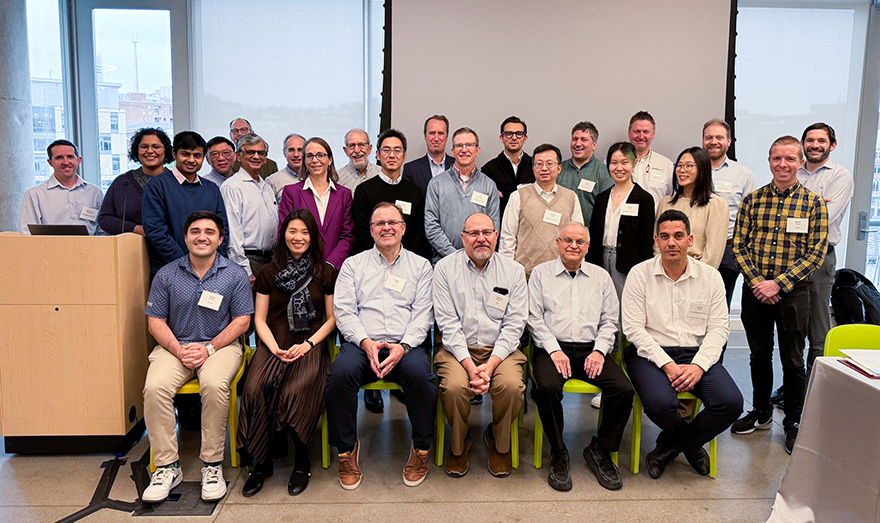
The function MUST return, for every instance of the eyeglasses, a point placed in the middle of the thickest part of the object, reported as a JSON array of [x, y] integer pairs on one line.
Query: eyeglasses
[[580, 242], [382, 223], [240, 130], [476, 234], [548, 164], [686, 167], [217, 154], [359, 145], [317, 156], [388, 150], [151, 146], [469, 145], [248, 152], [511, 134]]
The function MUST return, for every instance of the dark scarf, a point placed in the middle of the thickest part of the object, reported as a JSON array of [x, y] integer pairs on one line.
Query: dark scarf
[[294, 279]]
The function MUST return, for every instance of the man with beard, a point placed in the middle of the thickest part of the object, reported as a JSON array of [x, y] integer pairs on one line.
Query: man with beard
[[359, 169], [512, 167], [238, 128], [290, 174]]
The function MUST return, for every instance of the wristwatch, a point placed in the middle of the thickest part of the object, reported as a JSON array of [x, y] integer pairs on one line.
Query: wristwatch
[[211, 349], [406, 348]]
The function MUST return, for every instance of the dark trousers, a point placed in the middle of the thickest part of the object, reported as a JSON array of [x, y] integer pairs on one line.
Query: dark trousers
[[617, 395], [351, 369], [790, 315], [729, 274], [722, 400]]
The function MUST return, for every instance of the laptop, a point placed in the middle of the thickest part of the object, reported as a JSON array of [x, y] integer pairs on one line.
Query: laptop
[[58, 230]]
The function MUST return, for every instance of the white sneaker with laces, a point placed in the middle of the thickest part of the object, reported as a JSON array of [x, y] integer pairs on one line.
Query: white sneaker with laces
[[213, 483], [596, 402], [161, 483]]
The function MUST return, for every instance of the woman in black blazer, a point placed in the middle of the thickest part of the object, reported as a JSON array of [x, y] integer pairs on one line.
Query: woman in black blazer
[[627, 208]]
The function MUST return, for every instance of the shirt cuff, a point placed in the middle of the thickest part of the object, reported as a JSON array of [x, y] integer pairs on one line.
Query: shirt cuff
[[502, 352], [602, 347], [702, 360], [661, 359], [552, 345], [460, 353]]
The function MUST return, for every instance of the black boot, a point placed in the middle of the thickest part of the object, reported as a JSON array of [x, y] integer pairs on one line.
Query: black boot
[[255, 481]]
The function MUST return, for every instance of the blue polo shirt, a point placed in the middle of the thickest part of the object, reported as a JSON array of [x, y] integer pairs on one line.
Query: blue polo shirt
[[175, 294]]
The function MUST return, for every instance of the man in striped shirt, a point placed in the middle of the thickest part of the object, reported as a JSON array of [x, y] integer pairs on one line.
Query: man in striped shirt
[[780, 238]]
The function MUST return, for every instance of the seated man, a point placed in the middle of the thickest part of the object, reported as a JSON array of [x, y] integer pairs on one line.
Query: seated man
[[481, 305], [675, 317], [573, 312], [198, 307], [383, 309]]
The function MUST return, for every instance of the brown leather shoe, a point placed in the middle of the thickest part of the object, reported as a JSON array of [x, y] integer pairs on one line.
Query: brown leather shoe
[[499, 463], [349, 471], [416, 468], [457, 466]]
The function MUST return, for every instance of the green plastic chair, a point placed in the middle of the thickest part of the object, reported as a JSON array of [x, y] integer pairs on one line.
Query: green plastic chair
[[855, 336], [636, 450], [440, 435]]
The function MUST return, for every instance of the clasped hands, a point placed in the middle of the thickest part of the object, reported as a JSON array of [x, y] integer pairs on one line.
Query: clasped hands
[[682, 377], [767, 291], [480, 376], [192, 355], [372, 348], [293, 353]]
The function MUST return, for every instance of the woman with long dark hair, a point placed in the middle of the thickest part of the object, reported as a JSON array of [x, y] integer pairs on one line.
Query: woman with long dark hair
[[284, 389], [693, 194]]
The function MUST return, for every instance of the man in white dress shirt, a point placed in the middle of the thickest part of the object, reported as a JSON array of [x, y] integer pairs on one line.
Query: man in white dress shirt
[[676, 319], [359, 169], [573, 311], [383, 304], [481, 306], [250, 208], [65, 198], [653, 171], [290, 174]]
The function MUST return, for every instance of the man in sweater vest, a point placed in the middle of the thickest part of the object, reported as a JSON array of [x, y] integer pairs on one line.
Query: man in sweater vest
[[535, 212], [389, 186]]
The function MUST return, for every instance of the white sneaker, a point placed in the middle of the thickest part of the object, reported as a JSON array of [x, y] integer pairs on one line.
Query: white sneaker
[[596, 402], [213, 484], [163, 480]]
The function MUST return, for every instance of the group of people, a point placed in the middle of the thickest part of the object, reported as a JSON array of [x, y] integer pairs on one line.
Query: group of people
[[574, 259]]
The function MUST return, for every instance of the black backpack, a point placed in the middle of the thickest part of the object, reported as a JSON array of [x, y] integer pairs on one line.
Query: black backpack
[[854, 299]]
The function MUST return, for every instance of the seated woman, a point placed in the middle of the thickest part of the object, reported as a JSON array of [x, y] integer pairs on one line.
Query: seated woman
[[622, 224], [284, 389], [328, 202], [121, 210], [693, 194]]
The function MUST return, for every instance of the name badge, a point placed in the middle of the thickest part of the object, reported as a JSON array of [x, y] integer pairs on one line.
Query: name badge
[[656, 175], [88, 213], [479, 198], [698, 310], [211, 300], [586, 185], [395, 283], [552, 217], [724, 187], [797, 225], [406, 207], [629, 209], [498, 301]]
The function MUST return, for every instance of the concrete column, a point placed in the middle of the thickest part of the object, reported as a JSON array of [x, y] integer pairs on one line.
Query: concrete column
[[16, 130]]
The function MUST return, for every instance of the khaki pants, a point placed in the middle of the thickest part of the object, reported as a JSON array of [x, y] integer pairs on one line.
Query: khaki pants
[[165, 377], [506, 388]]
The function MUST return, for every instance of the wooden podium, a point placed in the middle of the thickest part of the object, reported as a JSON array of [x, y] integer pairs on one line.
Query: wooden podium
[[73, 342]]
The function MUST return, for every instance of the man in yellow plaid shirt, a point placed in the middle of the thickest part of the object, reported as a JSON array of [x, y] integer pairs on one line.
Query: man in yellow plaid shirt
[[780, 238]]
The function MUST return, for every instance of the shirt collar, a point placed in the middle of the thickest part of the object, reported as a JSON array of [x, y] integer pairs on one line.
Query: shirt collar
[[388, 180], [245, 177], [219, 263], [827, 165], [308, 185], [53, 182], [688, 272], [786, 192], [378, 255], [469, 263], [726, 163], [584, 166], [291, 171], [432, 162], [457, 173], [181, 178], [559, 268], [552, 191]]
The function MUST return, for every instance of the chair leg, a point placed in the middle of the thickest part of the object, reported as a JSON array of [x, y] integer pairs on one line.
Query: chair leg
[[514, 441], [152, 463], [636, 449], [713, 458], [539, 440], [234, 457], [325, 442], [439, 435]]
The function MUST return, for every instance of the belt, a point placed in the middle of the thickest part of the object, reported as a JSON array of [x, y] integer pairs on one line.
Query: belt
[[257, 252]]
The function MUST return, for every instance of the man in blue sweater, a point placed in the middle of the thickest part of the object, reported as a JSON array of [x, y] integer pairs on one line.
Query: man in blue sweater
[[172, 196]]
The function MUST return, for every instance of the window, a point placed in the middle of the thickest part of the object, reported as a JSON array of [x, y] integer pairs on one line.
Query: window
[[114, 122], [105, 144], [115, 164]]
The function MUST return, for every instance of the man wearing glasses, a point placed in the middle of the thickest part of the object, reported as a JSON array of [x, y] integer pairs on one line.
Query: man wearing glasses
[[512, 166], [536, 211], [238, 128], [389, 186], [293, 152], [481, 306], [456, 194], [573, 311], [383, 310], [250, 208], [583, 173], [221, 157], [359, 169]]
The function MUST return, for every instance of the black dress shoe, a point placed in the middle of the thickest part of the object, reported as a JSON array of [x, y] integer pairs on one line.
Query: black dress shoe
[[299, 480], [599, 461], [373, 401], [559, 477], [777, 397], [477, 399], [699, 460], [658, 459], [255, 481], [398, 394]]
